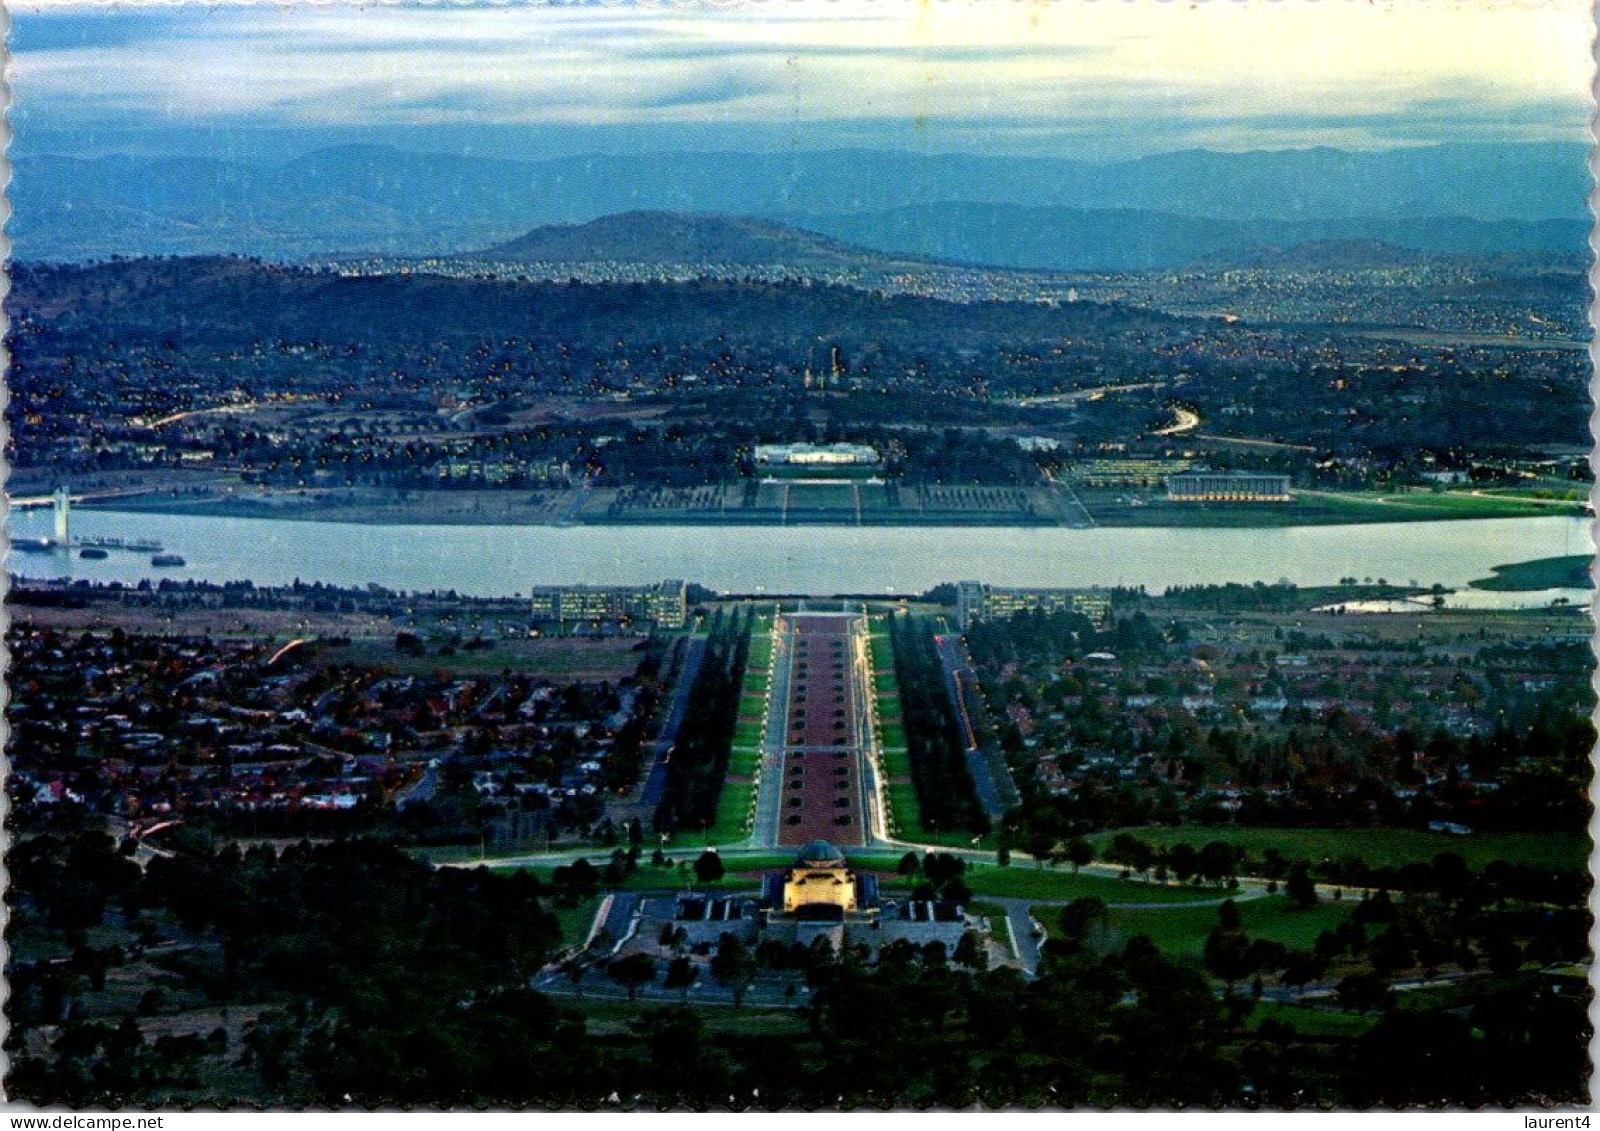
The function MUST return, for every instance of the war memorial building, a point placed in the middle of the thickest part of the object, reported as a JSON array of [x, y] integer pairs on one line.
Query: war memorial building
[[819, 896]]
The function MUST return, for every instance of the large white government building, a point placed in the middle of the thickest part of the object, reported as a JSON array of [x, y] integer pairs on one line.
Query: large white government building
[[1228, 487]]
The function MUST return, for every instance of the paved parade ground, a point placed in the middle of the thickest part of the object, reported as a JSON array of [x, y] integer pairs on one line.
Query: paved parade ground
[[824, 731]]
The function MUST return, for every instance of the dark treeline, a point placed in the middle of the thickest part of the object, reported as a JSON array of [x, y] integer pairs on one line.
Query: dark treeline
[[933, 733], [700, 755], [1034, 634], [372, 979]]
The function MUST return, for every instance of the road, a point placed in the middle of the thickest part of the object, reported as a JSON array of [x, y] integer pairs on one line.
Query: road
[[1092, 394], [991, 778], [655, 786], [569, 514], [1188, 421], [1073, 512], [425, 786], [1019, 918]]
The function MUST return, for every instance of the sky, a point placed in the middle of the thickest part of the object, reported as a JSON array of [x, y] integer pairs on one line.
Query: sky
[[1076, 78]]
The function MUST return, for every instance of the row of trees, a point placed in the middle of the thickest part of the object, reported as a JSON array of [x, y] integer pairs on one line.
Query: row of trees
[[705, 737], [939, 771]]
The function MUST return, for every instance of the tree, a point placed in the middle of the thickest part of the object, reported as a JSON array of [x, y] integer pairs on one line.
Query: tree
[[909, 865], [1300, 889], [1181, 859], [971, 953], [632, 971], [708, 867], [734, 966], [680, 976], [1301, 967], [1363, 992], [1228, 956], [1391, 953], [1217, 862], [1083, 918], [942, 867], [1228, 915], [1079, 853]]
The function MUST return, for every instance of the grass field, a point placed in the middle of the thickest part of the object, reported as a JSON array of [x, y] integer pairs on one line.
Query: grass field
[[747, 733], [743, 760], [1426, 505], [1313, 508], [1027, 882], [892, 734], [576, 920], [1571, 572], [1313, 1022], [1181, 931], [613, 1018], [611, 659], [760, 650], [733, 813], [907, 813], [1379, 847]]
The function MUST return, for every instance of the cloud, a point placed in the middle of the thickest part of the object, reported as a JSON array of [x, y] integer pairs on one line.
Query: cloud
[[1231, 74]]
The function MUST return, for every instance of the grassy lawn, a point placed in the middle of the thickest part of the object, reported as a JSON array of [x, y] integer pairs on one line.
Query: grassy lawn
[[882, 654], [1570, 572], [1422, 505], [902, 799], [747, 734], [564, 657], [1379, 847], [892, 734], [1028, 882], [760, 651], [1312, 1022], [896, 761], [743, 760], [733, 812], [611, 1018], [575, 921], [648, 877], [1317, 508], [1181, 931]]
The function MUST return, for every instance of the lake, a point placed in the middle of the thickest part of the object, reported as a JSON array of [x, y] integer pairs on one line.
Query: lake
[[503, 560]]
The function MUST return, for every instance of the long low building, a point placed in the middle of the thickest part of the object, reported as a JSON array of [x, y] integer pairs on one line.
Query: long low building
[[664, 604], [978, 601], [816, 455], [1228, 487]]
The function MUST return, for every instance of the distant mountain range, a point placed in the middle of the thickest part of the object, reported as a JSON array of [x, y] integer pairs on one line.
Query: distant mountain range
[[1160, 211], [1132, 239]]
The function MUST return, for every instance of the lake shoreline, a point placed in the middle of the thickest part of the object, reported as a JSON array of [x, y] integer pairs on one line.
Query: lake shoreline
[[1240, 518]]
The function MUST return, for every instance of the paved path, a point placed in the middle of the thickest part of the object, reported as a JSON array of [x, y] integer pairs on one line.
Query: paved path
[[655, 787], [991, 779], [1019, 918], [769, 786]]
